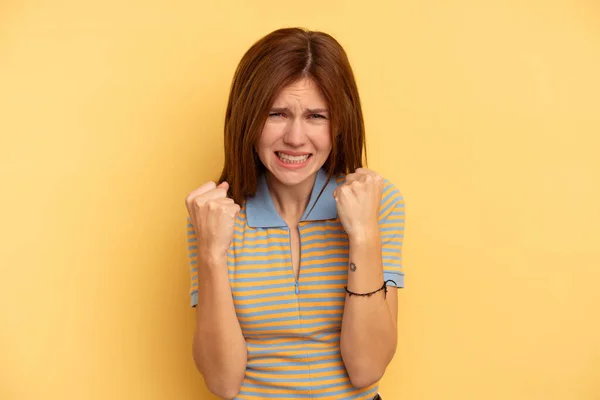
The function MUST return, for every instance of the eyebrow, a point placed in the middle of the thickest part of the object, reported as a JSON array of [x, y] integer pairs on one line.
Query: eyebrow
[[308, 110]]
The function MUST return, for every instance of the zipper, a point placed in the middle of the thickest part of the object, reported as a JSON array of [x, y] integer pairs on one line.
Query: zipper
[[296, 285], [297, 291]]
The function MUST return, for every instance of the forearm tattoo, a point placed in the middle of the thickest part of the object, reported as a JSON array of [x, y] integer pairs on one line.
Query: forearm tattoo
[[352, 266]]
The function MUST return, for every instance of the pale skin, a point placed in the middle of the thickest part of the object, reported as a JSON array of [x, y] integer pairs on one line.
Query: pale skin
[[369, 324], [219, 348]]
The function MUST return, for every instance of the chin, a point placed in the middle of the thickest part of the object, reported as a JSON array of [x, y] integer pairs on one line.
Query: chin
[[292, 177]]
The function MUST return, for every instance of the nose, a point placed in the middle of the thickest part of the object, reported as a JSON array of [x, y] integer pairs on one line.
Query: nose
[[294, 133]]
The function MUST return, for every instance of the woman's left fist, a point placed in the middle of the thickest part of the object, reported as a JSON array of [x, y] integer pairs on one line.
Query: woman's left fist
[[358, 201]]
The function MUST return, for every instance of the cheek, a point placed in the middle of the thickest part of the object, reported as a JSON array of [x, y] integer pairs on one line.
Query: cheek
[[266, 140], [323, 141]]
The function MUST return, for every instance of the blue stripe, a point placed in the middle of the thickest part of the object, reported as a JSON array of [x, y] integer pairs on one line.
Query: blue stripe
[[263, 262], [336, 298], [309, 273], [263, 253], [391, 229], [237, 296], [328, 395], [321, 232], [259, 270], [297, 364], [302, 354], [292, 290], [322, 291], [324, 223], [326, 257], [323, 241], [268, 278], [269, 320], [262, 245], [392, 236], [278, 311], [264, 314], [301, 380], [262, 395], [266, 303], [343, 248], [288, 327], [293, 318], [303, 284], [306, 380], [251, 239], [261, 287], [325, 265]]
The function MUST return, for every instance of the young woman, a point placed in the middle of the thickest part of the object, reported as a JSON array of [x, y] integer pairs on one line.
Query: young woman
[[296, 253]]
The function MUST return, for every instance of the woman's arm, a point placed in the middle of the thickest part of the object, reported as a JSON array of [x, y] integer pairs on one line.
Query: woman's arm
[[371, 211], [369, 325], [219, 347]]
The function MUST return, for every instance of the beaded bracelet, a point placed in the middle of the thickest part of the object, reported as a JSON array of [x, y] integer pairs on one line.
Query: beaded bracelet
[[384, 288]]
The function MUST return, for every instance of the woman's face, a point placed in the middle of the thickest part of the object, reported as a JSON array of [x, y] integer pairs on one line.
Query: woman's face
[[296, 140]]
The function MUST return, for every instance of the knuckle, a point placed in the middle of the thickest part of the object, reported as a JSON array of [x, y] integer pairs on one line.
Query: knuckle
[[198, 201], [207, 187]]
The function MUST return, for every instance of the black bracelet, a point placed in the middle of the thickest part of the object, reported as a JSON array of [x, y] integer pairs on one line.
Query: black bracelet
[[384, 288]]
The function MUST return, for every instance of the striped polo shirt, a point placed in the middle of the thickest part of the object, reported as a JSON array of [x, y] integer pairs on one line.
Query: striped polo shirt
[[292, 326]]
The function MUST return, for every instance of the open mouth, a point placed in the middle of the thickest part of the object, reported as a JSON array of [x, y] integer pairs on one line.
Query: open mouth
[[292, 159]]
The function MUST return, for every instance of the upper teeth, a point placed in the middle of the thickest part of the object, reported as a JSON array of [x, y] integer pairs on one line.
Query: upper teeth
[[285, 156]]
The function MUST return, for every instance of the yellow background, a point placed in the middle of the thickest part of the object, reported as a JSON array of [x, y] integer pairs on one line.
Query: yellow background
[[486, 114]]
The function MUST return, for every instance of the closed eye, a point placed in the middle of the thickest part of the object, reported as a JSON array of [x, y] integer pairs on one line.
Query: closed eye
[[275, 114]]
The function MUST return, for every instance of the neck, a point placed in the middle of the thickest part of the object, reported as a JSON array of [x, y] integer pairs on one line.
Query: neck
[[290, 201]]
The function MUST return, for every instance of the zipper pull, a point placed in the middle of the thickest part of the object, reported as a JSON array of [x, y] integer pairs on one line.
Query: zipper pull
[[296, 285]]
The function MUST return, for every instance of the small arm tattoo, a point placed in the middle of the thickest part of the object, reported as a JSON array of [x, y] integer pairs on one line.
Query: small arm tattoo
[[352, 266]]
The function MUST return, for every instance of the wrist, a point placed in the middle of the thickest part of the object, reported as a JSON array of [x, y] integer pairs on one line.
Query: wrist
[[365, 236], [211, 270], [211, 259]]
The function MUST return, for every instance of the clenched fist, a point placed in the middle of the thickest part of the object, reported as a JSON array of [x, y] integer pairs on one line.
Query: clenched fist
[[358, 201], [213, 217]]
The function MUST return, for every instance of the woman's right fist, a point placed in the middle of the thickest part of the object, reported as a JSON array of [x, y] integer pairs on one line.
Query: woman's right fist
[[213, 217]]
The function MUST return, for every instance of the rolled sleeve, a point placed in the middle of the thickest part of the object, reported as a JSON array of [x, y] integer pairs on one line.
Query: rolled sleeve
[[391, 225]]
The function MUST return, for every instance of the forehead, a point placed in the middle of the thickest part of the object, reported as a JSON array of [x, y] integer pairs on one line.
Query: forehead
[[304, 90]]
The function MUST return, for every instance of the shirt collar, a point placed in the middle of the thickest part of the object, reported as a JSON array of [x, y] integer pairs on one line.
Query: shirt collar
[[261, 212]]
